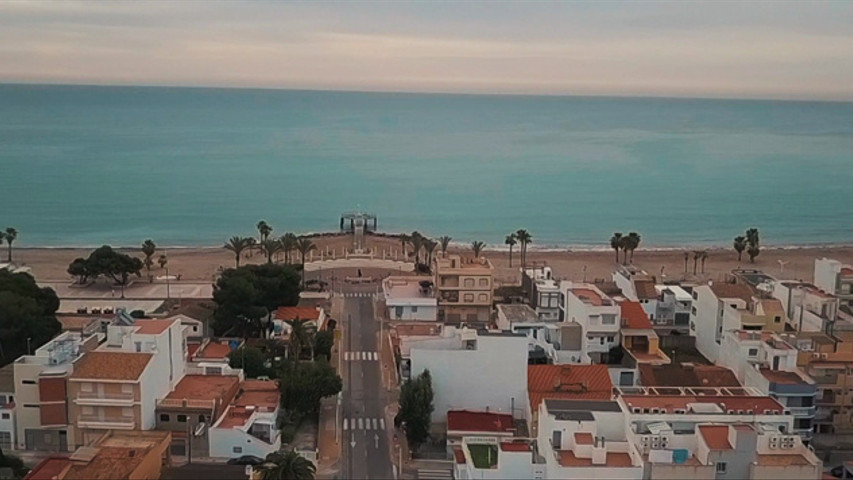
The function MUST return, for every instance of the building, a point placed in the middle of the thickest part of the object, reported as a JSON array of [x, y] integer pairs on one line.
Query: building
[[565, 382], [248, 426], [410, 298], [766, 362], [492, 457], [720, 307], [598, 316], [672, 311], [835, 278], [41, 395], [7, 407], [549, 342], [687, 375], [639, 340], [638, 286], [543, 292], [463, 288], [808, 308], [212, 350], [114, 456], [316, 318], [473, 370], [833, 421], [469, 423]]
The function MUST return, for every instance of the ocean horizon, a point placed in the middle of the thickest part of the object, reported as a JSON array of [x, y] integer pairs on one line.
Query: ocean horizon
[[82, 166]]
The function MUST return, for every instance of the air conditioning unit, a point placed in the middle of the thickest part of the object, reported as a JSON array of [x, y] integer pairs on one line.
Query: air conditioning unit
[[664, 441], [824, 356], [655, 442], [815, 356], [750, 412], [774, 442], [680, 410], [730, 411]]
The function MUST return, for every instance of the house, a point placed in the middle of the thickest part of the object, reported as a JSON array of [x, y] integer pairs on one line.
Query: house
[[687, 375], [213, 350], [492, 457], [249, 425], [474, 370], [114, 456], [315, 316], [543, 292], [7, 407], [410, 298], [639, 340], [672, 312], [464, 289], [638, 286], [566, 382], [549, 342], [41, 395], [835, 278], [470, 423], [596, 313], [766, 362]]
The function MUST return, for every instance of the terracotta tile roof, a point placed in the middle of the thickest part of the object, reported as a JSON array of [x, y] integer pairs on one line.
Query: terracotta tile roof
[[645, 289], [207, 388], [614, 460], [153, 327], [716, 436], [111, 365], [258, 393], [846, 271], [515, 447], [679, 375], [732, 290], [668, 403], [772, 306], [191, 349], [302, 313], [214, 350], [782, 377], [580, 382], [49, 468], [633, 316], [583, 438], [470, 421], [458, 455], [589, 295], [75, 322], [608, 288]]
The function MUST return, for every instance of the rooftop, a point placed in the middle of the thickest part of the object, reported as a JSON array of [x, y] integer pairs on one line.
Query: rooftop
[[732, 290], [580, 382], [258, 393], [515, 447], [206, 387], [76, 322], [153, 327], [291, 313], [102, 365], [519, 313], [722, 403], [687, 375], [645, 289], [783, 377], [681, 294], [584, 438], [716, 436], [846, 271], [444, 263], [409, 288], [558, 407], [613, 460], [782, 460], [633, 316], [483, 455], [471, 421], [590, 297], [214, 349]]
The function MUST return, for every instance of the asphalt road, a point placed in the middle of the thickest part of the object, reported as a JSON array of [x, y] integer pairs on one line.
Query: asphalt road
[[364, 432]]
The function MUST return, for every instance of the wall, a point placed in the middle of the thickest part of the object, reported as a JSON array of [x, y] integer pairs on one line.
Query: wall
[[222, 441], [489, 376], [707, 322], [26, 398], [424, 313], [671, 471], [826, 274]]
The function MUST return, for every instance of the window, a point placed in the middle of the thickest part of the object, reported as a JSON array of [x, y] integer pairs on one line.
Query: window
[[721, 467], [753, 352], [608, 319], [468, 297], [30, 405], [164, 417], [601, 340], [237, 449], [695, 295], [483, 297], [201, 419], [29, 382], [693, 310], [5, 416], [484, 282], [138, 346], [86, 387], [610, 339], [182, 418], [398, 311], [469, 282], [414, 309]]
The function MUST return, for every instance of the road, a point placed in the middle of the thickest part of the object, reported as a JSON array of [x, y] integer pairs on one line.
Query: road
[[366, 452]]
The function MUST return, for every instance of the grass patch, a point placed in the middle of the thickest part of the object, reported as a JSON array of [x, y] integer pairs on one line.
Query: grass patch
[[484, 456]]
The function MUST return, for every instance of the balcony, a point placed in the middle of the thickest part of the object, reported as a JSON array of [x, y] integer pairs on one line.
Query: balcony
[[115, 423], [105, 399], [801, 411]]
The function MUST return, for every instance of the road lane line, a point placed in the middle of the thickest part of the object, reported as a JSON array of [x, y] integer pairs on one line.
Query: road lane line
[[375, 424], [361, 424], [382, 424], [345, 424]]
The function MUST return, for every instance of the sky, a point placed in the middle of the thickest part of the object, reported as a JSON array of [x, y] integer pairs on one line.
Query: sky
[[767, 49]]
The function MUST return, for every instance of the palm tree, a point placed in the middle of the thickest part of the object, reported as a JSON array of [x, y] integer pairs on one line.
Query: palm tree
[[625, 245], [304, 245], [686, 258], [417, 242], [524, 238], [754, 247], [740, 246], [702, 258], [697, 254], [148, 249], [477, 247], [264, 230], [238, 245], [288, 244], [753, 252], [616, 243], [752, 236], [445, 241], [287, 466], [429, 248], [300, 336], [511, 241], [633, 243], [11, 235], [404, 239], [269, 247]]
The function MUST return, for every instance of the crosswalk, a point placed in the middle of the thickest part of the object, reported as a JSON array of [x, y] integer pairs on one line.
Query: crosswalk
[[434, 474], [361, 356], [366, 424], [358, 295]]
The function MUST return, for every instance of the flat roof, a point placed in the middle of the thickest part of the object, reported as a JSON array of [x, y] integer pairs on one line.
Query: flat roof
[[102, 365], [559, 405], [519, 313], [474, 421], [783, 377], [782, 460], [205, 387], [612, 460], [668, 403], [258, 393], [153, 327], [681, 294], [408, 289], [732, 290], [291, 313], [589, 296], [214, 349], [716, 436]]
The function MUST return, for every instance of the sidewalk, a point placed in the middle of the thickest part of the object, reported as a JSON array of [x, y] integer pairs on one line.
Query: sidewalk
[[328, 436]]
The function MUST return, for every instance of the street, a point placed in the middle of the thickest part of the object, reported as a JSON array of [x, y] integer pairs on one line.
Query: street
[[364, 432]]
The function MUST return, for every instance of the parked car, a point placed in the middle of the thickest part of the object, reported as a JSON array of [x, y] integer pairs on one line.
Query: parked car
[[246, 460], [838, 472]]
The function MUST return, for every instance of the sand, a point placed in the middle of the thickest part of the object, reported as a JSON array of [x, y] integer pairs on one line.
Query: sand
[[202, 264]]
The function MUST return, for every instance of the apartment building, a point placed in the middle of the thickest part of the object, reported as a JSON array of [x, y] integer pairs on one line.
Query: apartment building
[[638, 286], [463, 288], [409, 298], [41, 393], [768, 363], [249, 424], [835, 278], [639, 340], [672, 311], [596, 313], [565, 382], [492, 457], [543, 292], [833, 377], [549, 342], [808, 308], [7, 407]]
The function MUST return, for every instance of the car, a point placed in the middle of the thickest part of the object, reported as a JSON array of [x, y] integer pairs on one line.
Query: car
[[838, 472], [246, 460]]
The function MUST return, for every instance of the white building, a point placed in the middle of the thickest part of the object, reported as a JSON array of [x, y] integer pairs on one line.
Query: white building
[[543, 292], [474, 370], [248, 426], [597, 315], [808, 308], [410, 298], [833, 277], [489, 457], [639, 286], [549, 342], [7, 407], [672, 309]]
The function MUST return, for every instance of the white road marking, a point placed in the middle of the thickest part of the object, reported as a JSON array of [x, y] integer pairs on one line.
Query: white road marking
[[375, 424], [360, 423], [346, 426]]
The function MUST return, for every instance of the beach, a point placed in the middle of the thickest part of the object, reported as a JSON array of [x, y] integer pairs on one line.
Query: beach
[[203, 264]]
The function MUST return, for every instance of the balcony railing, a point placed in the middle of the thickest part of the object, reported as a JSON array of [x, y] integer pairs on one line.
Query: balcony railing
[[802, 411], [94, 421], [95, 398]]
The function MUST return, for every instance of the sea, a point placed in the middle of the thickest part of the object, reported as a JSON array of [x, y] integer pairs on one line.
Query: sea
[[93, 165]]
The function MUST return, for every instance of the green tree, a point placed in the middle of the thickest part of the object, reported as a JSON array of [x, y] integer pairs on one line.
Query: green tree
[[304, 245], [739, 245], [702, 258], [416, 407], [323, 342], [511, 241], [304, 384], [686, 259], [19, 470], [288, 244], [264, 230], [524, 238], [238, 245], [80, 269], [754, 244], [616, 243], [301, 336], [633, 241], [10, 236], [477, 247], [109, 263], [251, 360], [697, 254], [148, 249], [269, 247], [444, 241], [417, 241], [287, 466], [26, 312], [247, 294]]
